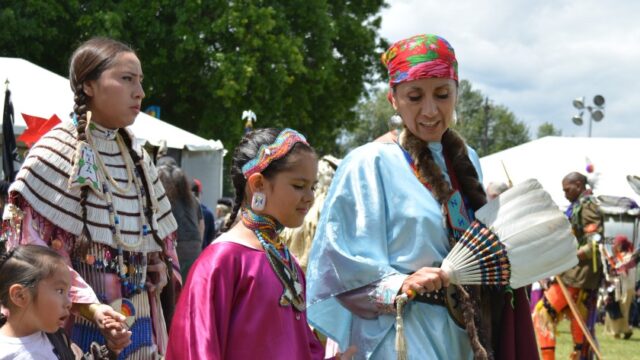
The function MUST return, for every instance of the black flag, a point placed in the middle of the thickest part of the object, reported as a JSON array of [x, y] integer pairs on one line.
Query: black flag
[[9, 149]]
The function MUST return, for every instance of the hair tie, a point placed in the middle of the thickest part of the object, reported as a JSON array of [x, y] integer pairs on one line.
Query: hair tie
[[269, 153]]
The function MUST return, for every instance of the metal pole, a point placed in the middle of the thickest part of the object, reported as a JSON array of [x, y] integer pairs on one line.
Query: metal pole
[[590, 119]]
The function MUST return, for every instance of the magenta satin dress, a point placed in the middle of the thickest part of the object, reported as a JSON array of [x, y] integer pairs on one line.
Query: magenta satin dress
[[229, 309]]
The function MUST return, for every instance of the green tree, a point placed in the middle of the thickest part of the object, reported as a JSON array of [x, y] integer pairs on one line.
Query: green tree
[[296, 63], [487, 127], [374, 112], [547, 129]]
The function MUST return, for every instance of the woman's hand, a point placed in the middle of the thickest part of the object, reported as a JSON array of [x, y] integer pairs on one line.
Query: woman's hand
[[157, 277], [113, 327], [426, 279], [347, 354]]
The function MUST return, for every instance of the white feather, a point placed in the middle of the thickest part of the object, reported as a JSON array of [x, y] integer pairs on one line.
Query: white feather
[[536, 234]]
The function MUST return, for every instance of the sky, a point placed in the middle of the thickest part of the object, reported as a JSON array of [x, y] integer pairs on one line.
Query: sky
[[535, 57]]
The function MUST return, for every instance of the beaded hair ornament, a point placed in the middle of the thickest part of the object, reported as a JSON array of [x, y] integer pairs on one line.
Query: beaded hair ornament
[[269, 153]]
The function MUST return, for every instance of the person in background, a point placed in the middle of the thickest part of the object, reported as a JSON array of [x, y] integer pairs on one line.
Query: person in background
[[495, 189], [186, 210], [582, 281], [207, 215], [4, 229], [623, 282], [223, 212]]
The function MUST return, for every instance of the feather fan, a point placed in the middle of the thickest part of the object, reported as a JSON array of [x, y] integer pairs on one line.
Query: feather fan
[[518, 238]]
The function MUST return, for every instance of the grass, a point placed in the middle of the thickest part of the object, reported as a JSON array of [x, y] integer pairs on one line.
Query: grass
[[610, 347]]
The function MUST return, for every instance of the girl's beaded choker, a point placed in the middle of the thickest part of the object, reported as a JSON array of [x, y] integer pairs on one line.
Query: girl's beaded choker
[[267, 229], [264, 226]]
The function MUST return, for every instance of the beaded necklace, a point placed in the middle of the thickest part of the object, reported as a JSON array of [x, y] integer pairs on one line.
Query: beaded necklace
[[109, 134], [131, 275], [267, 229]]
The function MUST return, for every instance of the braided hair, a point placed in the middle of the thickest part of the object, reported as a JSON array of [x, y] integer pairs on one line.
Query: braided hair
[[25, 265], [87, 63], [248, 149], [454, 148]]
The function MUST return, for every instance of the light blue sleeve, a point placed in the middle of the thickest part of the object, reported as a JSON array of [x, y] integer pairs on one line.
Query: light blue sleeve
[[350, 247]]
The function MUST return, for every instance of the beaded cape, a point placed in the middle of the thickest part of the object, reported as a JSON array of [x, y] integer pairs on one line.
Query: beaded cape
[[43, 182]]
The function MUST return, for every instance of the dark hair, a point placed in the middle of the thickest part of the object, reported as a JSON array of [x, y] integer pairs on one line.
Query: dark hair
[[576, 177], [87, 63], [248, 149], [26, 265], [176, 185]]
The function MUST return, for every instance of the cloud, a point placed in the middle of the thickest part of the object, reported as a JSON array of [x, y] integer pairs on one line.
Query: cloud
[[535, 57]]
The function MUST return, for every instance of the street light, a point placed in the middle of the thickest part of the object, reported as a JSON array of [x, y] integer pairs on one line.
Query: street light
[[596, 112]]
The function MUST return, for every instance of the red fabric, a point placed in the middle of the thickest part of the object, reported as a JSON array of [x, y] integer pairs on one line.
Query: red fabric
[[623, 242], [517, 338], [229, 309], [36, 128]]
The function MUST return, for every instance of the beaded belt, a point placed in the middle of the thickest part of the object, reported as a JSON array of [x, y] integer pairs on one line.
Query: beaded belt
[[433, 298]]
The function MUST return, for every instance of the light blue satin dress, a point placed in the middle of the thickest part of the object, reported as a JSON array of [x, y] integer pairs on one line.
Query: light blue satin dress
[[379, 222]]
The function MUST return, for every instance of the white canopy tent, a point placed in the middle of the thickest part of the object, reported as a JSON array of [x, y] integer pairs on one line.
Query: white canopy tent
[[551, 158], [40, 92]]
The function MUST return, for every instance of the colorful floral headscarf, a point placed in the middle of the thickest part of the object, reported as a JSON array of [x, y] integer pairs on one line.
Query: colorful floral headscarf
[[419, 57]]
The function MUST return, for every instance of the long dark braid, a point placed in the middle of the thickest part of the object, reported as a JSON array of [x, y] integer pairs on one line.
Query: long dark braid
[[168, 294], [454, 149], [87, 63], [149, 207], [84, 241]]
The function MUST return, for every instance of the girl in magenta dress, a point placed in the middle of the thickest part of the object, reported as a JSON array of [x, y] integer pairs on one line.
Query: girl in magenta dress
[[244, 296]]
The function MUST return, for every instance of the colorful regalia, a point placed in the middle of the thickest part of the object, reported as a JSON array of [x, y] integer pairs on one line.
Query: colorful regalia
[[113, 270], [231, 307], [379, 224], [372, 211]]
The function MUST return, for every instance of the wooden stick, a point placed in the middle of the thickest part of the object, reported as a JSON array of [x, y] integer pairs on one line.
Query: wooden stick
[[576, 314]]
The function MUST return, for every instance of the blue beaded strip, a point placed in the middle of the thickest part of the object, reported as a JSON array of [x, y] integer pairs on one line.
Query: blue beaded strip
[[141, 336]]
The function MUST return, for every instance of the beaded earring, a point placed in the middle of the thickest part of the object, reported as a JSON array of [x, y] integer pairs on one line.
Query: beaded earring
[[258, 201]]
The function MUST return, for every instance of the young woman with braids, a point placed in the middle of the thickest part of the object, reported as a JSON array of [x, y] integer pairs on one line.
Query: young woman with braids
[[394, 210], [89, 194], [244, 296]]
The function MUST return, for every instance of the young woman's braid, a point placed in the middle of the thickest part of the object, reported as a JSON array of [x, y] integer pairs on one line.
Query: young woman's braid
[[168, 294], [143, 177], [80, 109]]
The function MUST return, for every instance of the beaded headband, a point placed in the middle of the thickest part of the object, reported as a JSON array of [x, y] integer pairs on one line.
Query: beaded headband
[[269, 153]]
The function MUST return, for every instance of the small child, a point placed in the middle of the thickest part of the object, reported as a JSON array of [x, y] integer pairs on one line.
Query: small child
[[34, 288]]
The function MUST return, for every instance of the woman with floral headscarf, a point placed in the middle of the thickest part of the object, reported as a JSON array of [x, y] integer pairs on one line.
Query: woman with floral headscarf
[[385, 229]]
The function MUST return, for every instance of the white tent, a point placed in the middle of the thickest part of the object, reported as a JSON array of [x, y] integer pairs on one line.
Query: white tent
[[40, 92], [551, 158]]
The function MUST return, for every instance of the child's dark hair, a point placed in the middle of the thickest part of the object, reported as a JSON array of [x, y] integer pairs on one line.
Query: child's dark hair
[[248, 149], [26, 265], [87, 63]]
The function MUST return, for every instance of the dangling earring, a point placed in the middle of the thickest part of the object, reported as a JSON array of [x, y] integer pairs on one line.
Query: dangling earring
[[395, 123], [454, 117], [258, 201]]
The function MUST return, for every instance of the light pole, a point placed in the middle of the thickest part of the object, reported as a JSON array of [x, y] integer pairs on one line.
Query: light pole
[[596, 112]]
